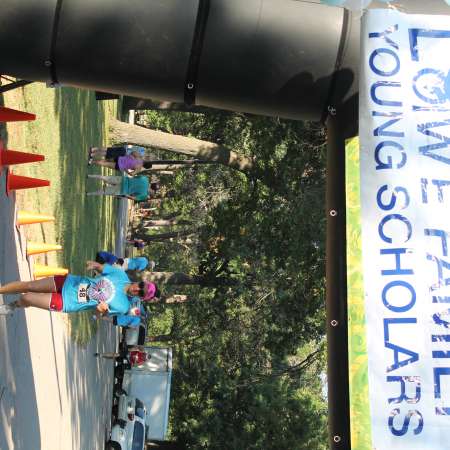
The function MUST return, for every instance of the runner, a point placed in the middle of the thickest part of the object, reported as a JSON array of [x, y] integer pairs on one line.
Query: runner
[[134, 188], [137, 264], [120, 158], [108, 293], [136, 243]]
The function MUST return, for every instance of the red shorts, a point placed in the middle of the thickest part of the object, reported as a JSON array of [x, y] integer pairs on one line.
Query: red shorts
[[56, 302]]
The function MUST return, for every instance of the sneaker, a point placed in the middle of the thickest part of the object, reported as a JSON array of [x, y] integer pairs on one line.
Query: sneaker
[[7, 309], [90, 161]]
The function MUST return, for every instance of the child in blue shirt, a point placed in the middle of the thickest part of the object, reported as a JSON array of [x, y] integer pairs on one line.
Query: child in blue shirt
[[109, 293]]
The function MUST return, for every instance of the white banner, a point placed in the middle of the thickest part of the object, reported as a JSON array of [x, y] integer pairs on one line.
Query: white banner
[[405, 208]]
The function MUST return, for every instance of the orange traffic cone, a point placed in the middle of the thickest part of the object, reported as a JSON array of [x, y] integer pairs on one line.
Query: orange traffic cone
[[41, 271], [15, 182], [10, 157], [12, 115], [27, 218], [33, 248]]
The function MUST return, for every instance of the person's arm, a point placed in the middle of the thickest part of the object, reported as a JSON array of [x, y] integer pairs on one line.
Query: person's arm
[[125, 196], [101, 309], [94, 265]]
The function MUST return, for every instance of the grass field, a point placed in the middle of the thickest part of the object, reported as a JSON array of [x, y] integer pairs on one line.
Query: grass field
[[68, 122]]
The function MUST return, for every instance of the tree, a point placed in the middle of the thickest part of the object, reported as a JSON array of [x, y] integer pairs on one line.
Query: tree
[[133, 134], [248, 349], [163, 236]]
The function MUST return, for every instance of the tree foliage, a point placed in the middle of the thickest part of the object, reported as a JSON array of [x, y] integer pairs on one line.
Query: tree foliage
[[248, 352]]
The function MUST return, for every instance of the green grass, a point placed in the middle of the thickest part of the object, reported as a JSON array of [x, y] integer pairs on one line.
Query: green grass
[[68, 122]]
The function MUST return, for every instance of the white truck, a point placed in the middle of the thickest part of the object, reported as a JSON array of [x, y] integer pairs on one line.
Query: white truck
[[150, 382]]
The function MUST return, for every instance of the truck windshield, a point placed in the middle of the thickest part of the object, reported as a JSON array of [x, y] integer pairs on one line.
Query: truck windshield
[[138, 436]]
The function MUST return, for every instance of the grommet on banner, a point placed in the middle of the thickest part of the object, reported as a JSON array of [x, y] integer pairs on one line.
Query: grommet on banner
[[334, 323], [337, 438], [333, 213]]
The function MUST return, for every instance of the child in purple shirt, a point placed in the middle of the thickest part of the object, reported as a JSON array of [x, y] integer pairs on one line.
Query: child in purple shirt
[[130, 163], [121, 158]]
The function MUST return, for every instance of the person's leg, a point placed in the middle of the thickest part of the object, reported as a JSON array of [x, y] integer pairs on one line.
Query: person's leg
[[104, 163], [37, 300], [113, 181], [46, 285], [108, 179], [99, 177], [98, 151]]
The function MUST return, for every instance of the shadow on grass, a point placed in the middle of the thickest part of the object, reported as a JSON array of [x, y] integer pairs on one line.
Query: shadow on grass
[[86, 224]]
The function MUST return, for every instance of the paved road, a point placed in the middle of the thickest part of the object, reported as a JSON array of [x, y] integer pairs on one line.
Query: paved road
[[54, 395]]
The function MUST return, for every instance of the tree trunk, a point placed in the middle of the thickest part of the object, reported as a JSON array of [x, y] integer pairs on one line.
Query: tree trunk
[[184, 162], [132, 134], [162, 236], [164, 222], [159, 338], [180, 278], [163, 168], [177, 278], [164, 445], [129, 102]]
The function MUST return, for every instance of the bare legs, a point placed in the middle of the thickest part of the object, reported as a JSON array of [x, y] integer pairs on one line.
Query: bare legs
[[98, 152], [41, 301], [113, 181], [46, 285], [34, 293]]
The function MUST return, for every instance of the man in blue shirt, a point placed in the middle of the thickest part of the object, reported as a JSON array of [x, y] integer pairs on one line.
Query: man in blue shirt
[[137, 264], [109, 293]]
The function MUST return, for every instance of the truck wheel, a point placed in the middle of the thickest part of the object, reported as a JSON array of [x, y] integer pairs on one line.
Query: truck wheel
[[111, 445]]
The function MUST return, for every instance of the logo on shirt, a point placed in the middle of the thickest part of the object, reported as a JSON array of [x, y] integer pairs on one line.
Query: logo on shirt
[[102, 292]]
